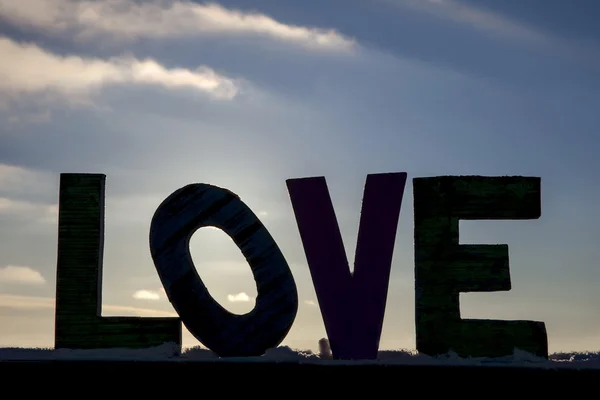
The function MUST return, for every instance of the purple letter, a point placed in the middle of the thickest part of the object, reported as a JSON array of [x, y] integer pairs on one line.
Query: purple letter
[[352, 304]]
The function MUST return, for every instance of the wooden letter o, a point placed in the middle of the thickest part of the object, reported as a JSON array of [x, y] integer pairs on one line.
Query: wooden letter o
[[229, 335]]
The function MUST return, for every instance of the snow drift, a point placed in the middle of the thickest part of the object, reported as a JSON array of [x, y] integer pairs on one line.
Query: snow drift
[[169, 352]]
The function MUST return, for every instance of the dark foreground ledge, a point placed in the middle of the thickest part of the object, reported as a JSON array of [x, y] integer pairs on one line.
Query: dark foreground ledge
[[289, 377]]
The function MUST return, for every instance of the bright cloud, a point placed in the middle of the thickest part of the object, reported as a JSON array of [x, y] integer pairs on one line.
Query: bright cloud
[[29, 69], [128, 20], [240, 297], [21, 275], [18, 302], [310, 303], [146, 295]]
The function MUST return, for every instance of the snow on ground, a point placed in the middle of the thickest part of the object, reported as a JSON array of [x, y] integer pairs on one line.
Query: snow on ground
[[168, 352]]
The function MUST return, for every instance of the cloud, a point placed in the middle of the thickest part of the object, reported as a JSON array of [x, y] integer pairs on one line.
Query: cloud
[[310, 303], [240, 297], [146, 295], [18, 302], [30, 118], [25, 302], [19, 186], [74, 78], [113, 310], [17, 179], [45, 213], [474, 17], [21, 275], [159, 19]]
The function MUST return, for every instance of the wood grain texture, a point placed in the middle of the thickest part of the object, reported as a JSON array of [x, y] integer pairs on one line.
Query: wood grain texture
[[228, 335], [443, 268], [79, 324]]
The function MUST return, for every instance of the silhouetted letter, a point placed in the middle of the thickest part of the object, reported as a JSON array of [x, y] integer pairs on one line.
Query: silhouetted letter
[[79, 324], [229, 335], [443, 268], [352, 304]]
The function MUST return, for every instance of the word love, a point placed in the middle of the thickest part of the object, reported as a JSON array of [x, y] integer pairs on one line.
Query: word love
[[352, 304]]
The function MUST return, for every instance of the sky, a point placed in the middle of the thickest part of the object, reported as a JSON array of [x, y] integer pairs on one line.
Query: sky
[[244, 95]]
